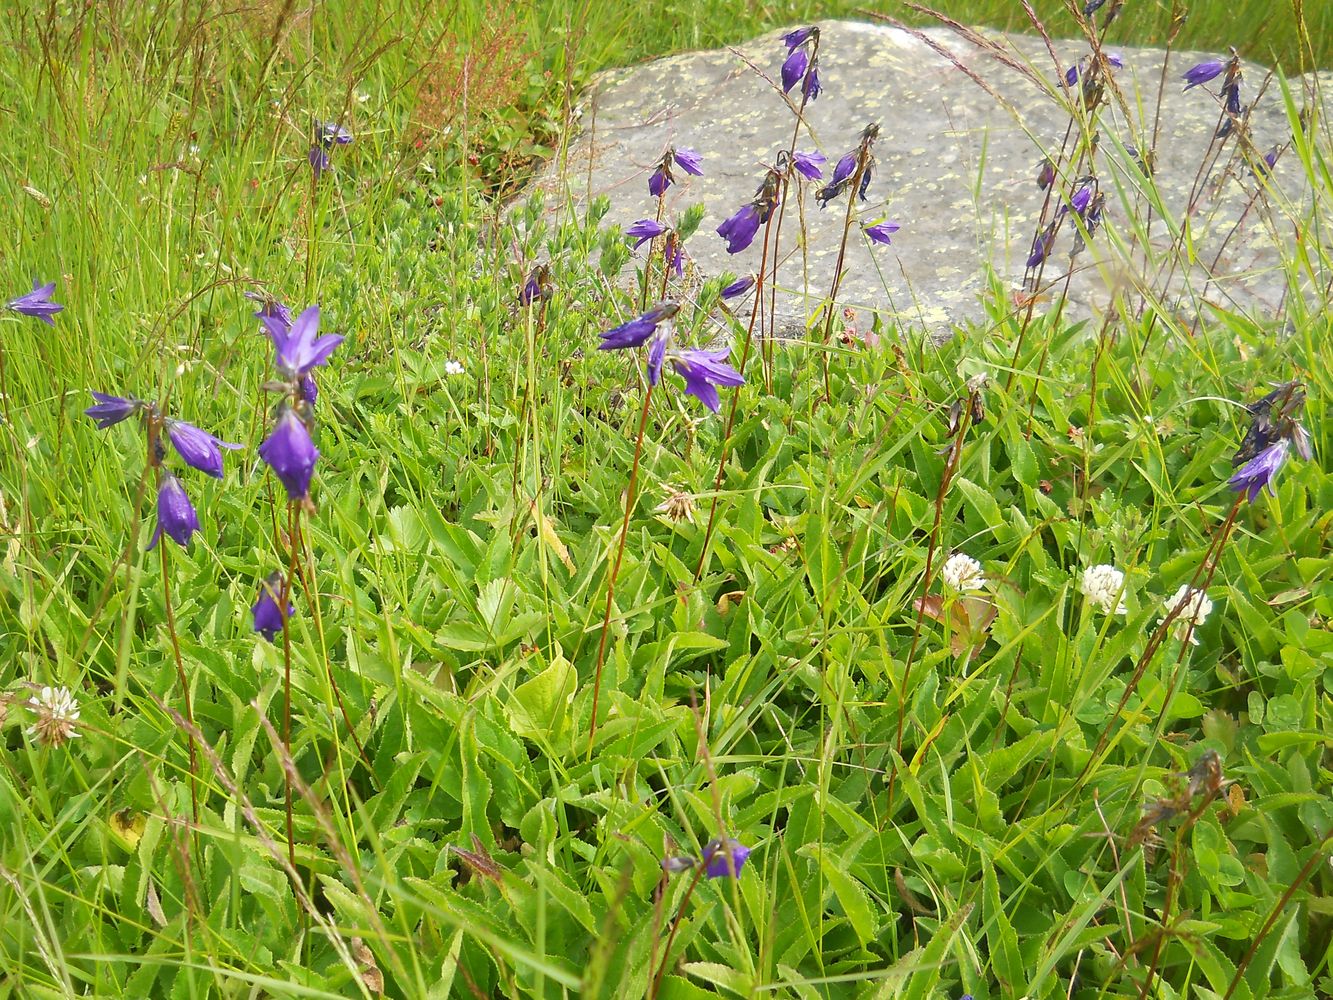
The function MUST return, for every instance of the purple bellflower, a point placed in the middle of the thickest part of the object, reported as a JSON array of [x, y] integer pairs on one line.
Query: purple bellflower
[[37, 303], [645, 230], [724, 858], [319, 160], [1080, 199], [800, 35], [1077, 70], [845, 169], [739, 230], [538, 286], [738, 287], [703, 371], [687, 159], [637, 331], [809, 165], [302, 348], [175, 516], [1260, 471], [881, 232], [811, 88], [270, 308], [330, 134], [108, 411], [1041, 246], [1203, 72], [793, 68], [290, 453], [197, 448], [307, 389], [267, 612]]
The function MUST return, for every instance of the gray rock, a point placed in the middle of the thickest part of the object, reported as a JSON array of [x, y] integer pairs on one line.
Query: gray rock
[[962, 133]]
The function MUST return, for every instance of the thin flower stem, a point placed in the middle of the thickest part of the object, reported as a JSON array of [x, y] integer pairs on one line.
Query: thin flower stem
[[777, 234], [648, 261], [853, 188], [283, 599], [675, 926], [615, 568], [180, 675], [731, 410]]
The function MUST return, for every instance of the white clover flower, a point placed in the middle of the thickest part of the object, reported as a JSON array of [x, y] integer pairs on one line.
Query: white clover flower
[[57, 715], [962, 572], [1194, 608], [453, 368], [1104, 586]]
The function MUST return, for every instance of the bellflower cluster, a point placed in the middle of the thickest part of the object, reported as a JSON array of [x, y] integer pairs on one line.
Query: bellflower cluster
[[722, 858], [843, 173], [702, 370], [739, 231], [687, 159], [1274, 433], [37, 303], [327, 135], [176, 517], [802, 63]]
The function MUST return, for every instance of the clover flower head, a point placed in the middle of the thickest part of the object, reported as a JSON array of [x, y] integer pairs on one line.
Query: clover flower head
[[703, 371], [37, 303], [175, 514], [1259, 472], [724, 858], [678, 506], [962, 573], [1104, 585], [1203, 72], [809, 165], [108, 411], [291, 453], [57, 716], [1192, 608], [197, 448], [267, 612], [880, 232]]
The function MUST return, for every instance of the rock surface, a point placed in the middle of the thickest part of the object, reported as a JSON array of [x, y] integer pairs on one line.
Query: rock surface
[[962, 133]]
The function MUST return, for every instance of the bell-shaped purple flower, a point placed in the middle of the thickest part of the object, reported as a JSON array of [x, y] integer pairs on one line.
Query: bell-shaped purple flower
[[657, 348], [270, 309], [307, 389], [637, 331], [799, 36], [881, 232], [793, 68], [538, 286], [1204, 72], [724, 858], [688, 160], [37, 303], [809, 165], [1080, 199], [1041, 246], [198, 448], [108, 411], [1260, 471], [703, 371], [644, 230], [303, 348], [175, 516], [1076, 70], [738, 287], [319, 160], [739, 231], [842, 173], [811, 88], [267, 612], [290, 453], [330, 134]]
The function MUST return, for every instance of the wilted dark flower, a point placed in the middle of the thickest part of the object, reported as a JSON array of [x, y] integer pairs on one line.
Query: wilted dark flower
[[1077, 70], [800, 35], [290, 453], [810, 165], [1045, 173], [111, 410], [175, 516], [644, 230], [1266, 164], [199, 449], [1203, 72], [1260, 471], [537, 287], [846, 169], [637, 331], [702, 371], [881, 232], [267, 612], [302, 348], [1274, 417], [724, 858], [1092, 6], [793, 68], [37, 303], [738, 287]]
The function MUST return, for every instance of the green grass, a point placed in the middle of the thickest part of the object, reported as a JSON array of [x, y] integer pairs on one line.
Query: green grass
[[480, 850]]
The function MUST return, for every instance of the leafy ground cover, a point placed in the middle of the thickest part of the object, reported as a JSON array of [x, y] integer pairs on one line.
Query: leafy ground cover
[[990, 779]]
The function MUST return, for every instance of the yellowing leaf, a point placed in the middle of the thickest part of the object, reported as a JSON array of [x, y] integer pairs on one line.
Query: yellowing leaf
[[546, 531]]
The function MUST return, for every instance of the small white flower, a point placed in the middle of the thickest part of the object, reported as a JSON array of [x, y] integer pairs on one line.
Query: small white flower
[[57, 715], [962, 572], [1194, 608], [1104, 586], [453, 368]]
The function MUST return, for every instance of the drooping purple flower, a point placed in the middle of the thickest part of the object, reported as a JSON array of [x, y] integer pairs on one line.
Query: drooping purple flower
[[689, 160], [1041, 246], [319, 160], [1231, 95], [330, 134], [1076, 70], [644, 230], [881, 232], [842, 173], [267, 612], [1045, 173], [1266, 163], [270, 308], [537, 287], [810, 165], [1080, 199], [703, 371], [1203, 72], [811, 88], [108, 411], [657, 349], [738, 287], [303, 348], [659, 180], [197, 448], [793, 68], [724, 858], [307, 389], [37, 303], [845, 167], [637, 331], [799, 36], [1260, 471], [290, 453], [175, 516], [739, 230]]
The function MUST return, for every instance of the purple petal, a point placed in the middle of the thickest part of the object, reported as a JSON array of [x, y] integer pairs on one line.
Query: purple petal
[[810, 165], [108, 411], [291, 454], [793, 68], [689, 160]]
